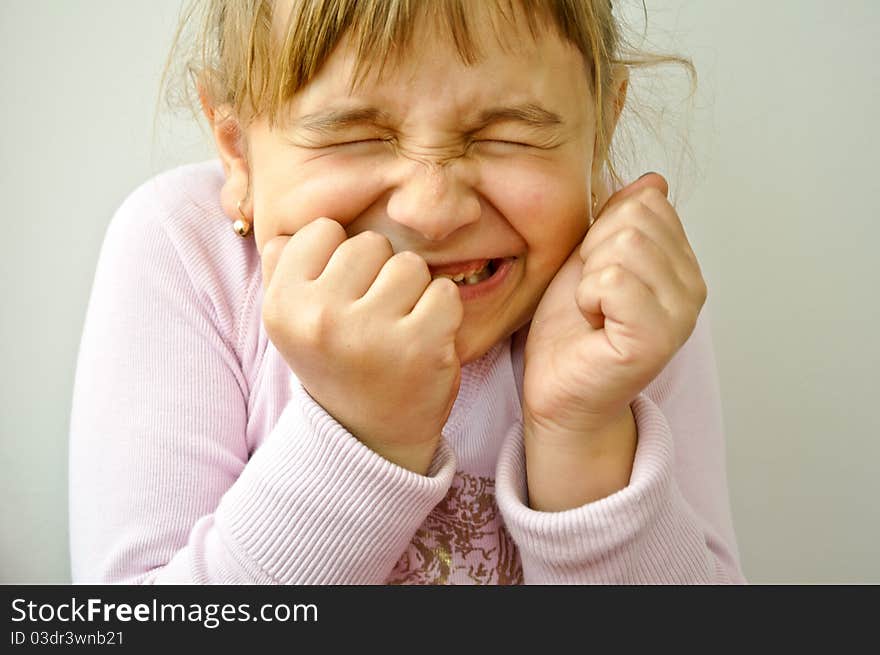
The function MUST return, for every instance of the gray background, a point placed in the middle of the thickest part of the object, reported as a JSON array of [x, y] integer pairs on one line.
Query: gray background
[[780, 207]]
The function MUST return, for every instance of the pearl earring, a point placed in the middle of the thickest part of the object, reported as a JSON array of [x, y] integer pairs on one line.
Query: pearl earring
[[593, 205], [242, 226]]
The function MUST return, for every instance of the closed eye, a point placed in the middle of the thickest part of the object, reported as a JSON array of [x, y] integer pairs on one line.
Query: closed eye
[[355, 142], [505, 147], [505, 142]]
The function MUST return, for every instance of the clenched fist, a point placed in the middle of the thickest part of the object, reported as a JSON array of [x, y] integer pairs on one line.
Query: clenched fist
[[368, 333], [612, 318]]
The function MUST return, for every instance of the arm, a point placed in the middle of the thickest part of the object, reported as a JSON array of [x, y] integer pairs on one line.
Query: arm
[[566, 471], [163, 488], [671, 523]]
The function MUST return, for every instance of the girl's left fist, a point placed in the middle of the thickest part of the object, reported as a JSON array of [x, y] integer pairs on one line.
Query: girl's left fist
[[614, 315]]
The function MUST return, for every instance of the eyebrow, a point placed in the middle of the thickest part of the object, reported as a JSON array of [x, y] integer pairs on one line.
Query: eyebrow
[[531, 114], [332, 120], [337, 119]]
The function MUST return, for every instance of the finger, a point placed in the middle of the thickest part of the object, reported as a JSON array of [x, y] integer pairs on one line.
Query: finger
[[439, 311], [400, 284], [655, 200], [638, 253], [648, 180], [270, 255], [648, 212], [616, 294], [355, 263], [308, 251]]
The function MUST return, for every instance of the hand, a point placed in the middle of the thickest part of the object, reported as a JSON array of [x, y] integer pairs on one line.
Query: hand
[[614, 315], [368, 333]]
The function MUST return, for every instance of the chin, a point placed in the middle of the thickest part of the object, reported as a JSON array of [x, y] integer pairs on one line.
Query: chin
[[471, 347], [474, 342], [469, 357]]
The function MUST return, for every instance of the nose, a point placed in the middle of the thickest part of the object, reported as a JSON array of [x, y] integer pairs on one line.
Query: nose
[[434, 200]]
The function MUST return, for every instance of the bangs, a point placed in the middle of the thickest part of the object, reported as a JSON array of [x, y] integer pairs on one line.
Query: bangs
[[381, 33]]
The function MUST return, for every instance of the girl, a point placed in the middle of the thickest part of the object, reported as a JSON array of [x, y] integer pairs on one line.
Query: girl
[[437, 350]]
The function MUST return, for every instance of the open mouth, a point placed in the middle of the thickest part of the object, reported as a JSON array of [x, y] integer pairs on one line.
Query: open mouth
[[474, 274]]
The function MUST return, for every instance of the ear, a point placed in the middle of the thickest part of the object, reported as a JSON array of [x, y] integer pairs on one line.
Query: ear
[[613, 107], [232, 148], [613, 104], [618, 99]]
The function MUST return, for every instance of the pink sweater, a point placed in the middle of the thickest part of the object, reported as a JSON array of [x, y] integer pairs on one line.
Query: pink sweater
[[197, 457]]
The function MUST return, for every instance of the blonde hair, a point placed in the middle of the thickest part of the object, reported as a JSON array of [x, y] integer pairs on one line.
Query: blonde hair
[[236, 59]]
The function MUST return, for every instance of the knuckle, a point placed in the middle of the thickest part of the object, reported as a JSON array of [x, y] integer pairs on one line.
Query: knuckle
[[374, 239], [445, 287], [368, 240], [432, 354], [651, 194], [276, 243], [585, 247], [632, 206], [612, 275], [271, 314], [630, 237], [702, 291], [583, 294], [447, 356], [629, 358], [328, 225], [314, 325], [410, 261], [446, 303]]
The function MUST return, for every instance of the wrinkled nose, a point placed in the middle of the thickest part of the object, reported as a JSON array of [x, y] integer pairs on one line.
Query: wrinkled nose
[[434, 200]]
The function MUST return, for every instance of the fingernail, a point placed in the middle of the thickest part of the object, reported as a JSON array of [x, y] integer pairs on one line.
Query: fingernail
[[644, 174]]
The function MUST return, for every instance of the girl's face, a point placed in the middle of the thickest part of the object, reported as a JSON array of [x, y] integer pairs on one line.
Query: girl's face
[[463, 165]]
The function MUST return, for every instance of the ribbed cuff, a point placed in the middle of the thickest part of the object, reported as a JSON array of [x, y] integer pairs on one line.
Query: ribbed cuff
[[316, 506], [640, 534]]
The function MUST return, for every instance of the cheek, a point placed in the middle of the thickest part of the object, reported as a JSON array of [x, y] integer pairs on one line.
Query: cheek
[[287, 198], [547, 208]]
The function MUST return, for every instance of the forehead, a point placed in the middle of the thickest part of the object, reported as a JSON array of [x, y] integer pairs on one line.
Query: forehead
[[434, 87]]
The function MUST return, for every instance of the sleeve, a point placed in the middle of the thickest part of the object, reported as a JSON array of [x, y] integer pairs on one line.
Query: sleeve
[[162, 486], [671, 524]]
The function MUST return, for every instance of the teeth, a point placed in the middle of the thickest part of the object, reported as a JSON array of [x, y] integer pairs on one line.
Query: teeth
[[474, 277]]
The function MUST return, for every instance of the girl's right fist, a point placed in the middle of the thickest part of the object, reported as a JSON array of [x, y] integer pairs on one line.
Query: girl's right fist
[[368, 333]]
